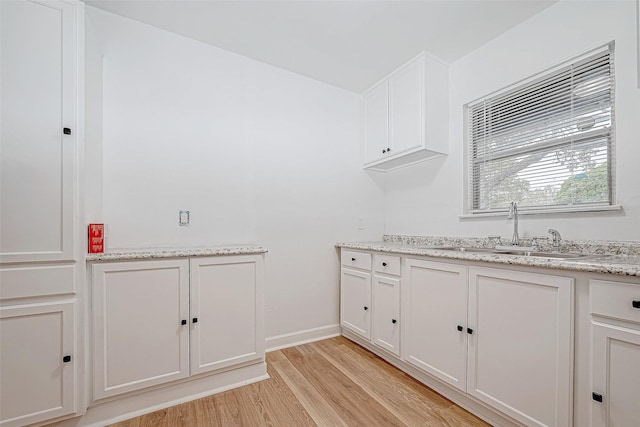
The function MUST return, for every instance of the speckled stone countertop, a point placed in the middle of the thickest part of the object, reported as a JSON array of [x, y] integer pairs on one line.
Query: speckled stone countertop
[[620, 258], [152, 253]]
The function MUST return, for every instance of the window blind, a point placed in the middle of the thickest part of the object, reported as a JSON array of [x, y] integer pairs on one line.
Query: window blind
[[546, 143]]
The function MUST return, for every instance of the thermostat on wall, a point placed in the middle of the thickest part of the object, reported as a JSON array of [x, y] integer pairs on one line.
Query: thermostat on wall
[[183, 218]]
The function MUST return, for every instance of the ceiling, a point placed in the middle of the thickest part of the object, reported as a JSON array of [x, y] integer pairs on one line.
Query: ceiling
[[349, 44]]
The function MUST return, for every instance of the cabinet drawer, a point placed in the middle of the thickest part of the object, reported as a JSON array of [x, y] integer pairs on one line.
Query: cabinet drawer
[[356, 259], [36, 281], [615, 299], [388, 264]]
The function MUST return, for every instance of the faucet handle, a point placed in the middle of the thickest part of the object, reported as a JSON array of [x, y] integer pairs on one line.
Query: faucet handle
[[496, 240], [555, 234]]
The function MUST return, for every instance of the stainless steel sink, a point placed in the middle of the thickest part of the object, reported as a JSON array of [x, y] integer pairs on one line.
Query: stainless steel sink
[[527, 253], [555, 255], [464, 249]]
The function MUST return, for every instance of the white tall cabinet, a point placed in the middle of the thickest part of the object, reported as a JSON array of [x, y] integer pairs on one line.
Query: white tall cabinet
[[41, 132]]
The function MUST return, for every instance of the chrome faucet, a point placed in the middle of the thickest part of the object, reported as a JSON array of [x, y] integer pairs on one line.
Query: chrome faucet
[[513, 214], [555, 235]]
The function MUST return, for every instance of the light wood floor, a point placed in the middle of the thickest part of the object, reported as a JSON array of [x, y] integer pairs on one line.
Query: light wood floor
[[327, 383]]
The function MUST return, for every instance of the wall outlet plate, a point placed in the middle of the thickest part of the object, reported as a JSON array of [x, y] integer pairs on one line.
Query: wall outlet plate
[[183, 218]]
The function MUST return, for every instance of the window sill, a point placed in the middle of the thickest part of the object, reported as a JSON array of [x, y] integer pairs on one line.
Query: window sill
[[522, 211]]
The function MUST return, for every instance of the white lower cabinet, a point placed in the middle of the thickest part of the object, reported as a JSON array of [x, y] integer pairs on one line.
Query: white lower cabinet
[[140, 325], [370, 301], [616, 376], [165, 320], [355, 301], [616, 354], [502, 336], [520, 350], [38, 362], [225, 300], [386, 313], [434, 315]]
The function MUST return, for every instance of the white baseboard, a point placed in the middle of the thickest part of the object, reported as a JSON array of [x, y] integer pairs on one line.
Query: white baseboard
[[136, 405], [302, 337]]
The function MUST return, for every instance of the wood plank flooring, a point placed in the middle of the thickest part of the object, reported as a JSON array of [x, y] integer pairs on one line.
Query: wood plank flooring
[[333, 382]]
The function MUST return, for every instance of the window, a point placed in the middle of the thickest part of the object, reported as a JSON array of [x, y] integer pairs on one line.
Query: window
[[546, 144]]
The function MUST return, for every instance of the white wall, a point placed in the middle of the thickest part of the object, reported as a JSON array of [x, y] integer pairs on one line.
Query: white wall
[[427, 199], [93, 126], [256, 153]]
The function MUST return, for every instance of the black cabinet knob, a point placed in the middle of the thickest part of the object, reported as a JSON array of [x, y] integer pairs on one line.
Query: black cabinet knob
[[388, 150], [66, 359], [66, 131], [183, 322], [636, 304], [195, 320], [366, 308], [460, 328], [384, 264], [469, 331], [597, 397], [384, 151], [394, 321], [353, 259]]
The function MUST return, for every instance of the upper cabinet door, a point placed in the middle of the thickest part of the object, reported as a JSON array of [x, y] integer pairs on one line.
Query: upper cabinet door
[[376, 122], [406, 121], [38, 100]]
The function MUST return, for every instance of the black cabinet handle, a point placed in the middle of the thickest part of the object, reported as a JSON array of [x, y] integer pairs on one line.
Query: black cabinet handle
[[66, 359], [353, 259], [183, 322], [66, 131], [636, 304], [469, 331], [384, 151], [384, 264], [394, 321], [195, 320], [597, 397], [388, 150], [460, 328], [366, 308]]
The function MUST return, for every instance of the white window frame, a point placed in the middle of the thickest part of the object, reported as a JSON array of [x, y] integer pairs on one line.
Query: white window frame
[[470, 212]]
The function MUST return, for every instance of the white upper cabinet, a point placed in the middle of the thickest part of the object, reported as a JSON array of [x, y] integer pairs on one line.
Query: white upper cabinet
[[38, 131], [406, 115]]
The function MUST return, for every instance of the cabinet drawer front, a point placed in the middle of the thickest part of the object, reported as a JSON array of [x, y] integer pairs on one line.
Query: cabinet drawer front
[[356, 259], [615, 299], [388, 264], [36, 281]]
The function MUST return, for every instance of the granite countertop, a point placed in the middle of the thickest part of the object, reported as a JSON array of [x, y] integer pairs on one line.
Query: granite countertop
[[608, 257], [152, 253]]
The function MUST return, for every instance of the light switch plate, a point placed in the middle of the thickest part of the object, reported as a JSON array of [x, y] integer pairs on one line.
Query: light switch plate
[[183, 218]]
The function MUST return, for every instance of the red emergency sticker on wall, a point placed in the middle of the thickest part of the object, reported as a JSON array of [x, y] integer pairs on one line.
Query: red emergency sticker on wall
[[96, 238]]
